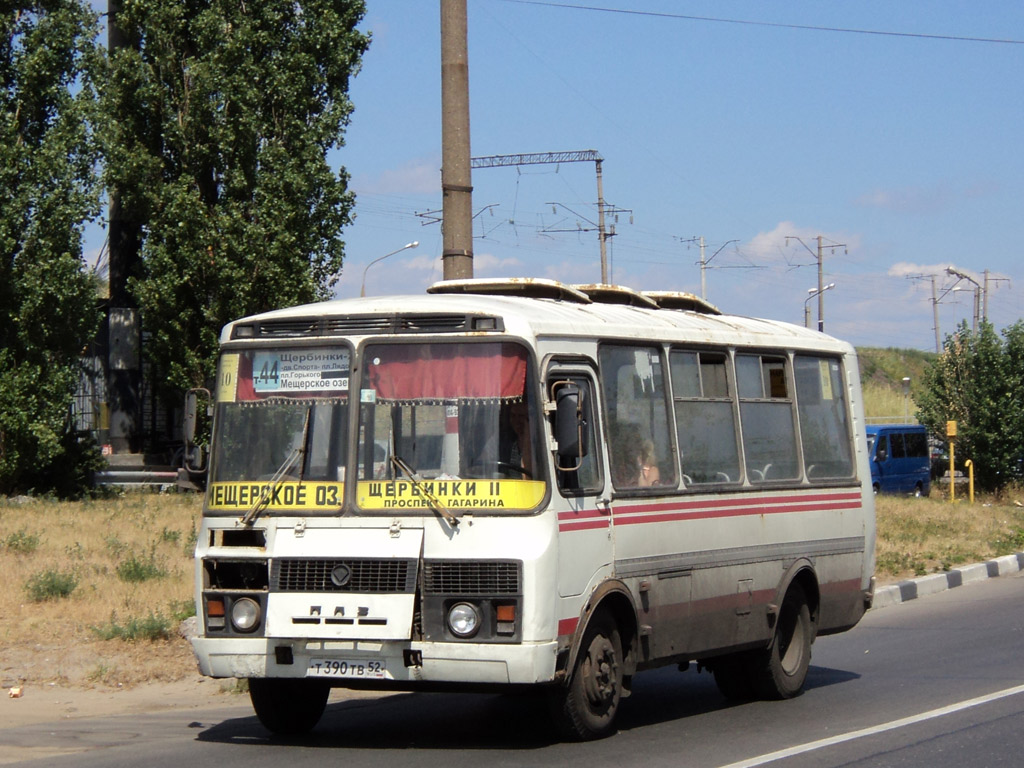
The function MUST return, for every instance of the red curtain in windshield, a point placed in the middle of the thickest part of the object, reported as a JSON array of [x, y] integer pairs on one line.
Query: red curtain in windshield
[[446, 372]]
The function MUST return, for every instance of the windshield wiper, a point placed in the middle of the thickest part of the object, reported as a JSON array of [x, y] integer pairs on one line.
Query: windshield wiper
[[432, 500], [297, 453]]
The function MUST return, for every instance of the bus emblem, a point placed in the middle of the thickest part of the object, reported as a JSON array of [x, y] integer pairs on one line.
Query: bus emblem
[[341, 575]]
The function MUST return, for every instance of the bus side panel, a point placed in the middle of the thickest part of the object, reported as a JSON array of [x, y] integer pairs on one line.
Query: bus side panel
[[729, 556]]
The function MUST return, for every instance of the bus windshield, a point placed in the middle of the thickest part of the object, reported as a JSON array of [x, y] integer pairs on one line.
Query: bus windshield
[[281, 429], [440, 426], [455, 421]]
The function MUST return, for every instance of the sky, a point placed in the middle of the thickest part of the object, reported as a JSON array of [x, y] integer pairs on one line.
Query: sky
[[890, 130]]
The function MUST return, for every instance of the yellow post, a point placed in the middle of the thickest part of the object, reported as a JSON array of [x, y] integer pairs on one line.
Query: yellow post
[[951, 433], [970, 479], [952, 474]]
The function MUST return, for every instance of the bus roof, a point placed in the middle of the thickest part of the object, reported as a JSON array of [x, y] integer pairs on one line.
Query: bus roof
[[533, 308]]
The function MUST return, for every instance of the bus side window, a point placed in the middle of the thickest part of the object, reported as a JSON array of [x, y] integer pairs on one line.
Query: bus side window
[[705, 421], [583, 474], [766, 413], [824, 418], [639, 422]]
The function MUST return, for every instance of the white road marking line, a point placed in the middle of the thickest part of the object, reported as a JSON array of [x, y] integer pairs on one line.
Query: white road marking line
[[821, 743]]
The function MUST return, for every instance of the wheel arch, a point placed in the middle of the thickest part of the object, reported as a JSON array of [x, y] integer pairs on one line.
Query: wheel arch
[[802, 572], [614, 598]]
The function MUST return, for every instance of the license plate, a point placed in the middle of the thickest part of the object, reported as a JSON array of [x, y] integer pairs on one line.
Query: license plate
[[362, 669]]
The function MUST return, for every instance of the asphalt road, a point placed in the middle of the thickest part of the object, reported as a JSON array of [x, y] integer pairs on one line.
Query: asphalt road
[[935, 681]]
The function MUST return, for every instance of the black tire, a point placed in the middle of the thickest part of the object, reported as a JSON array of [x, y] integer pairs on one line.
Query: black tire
[[586, 708], [287, 706], [782, 667]]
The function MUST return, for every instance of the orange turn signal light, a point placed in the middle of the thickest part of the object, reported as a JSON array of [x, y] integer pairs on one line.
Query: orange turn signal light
[[505, 612]]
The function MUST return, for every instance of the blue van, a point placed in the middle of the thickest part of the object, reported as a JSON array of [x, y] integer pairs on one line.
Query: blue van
[[900, 460]]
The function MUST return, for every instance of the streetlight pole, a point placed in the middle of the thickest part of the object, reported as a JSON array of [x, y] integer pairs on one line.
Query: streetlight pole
[[413, 244], [811, 293], [977, 293], [820, 256]]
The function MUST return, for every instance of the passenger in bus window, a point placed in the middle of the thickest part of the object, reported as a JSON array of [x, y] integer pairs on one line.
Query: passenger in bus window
[[634, 464], [649, 473], [522, 450]]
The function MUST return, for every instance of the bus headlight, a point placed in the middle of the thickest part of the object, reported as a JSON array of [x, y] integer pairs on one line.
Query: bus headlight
[[464, 619], [245, 614]]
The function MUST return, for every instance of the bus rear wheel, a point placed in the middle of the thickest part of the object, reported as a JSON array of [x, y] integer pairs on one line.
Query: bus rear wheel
[[286, 706], [782, 667], [585, 709]]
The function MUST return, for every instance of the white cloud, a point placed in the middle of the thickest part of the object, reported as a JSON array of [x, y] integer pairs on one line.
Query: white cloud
[[909, 269], [416, 177], [487, 264], [795, 245], [909, 199]]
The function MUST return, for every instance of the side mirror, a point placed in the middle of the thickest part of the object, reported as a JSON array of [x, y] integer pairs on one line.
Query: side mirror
[[195, 399], [572, 430]]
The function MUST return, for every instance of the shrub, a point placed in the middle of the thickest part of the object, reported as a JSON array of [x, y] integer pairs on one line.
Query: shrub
[[51, 585], [139, 569], [22, 542], [153, 627]]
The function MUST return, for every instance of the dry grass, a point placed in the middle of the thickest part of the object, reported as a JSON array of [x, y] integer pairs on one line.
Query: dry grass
[[94, 591], [921, 536], [111, 632]]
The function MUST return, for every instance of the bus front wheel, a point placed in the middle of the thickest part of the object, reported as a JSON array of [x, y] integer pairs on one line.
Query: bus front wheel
[[586, 708], [287, 706]]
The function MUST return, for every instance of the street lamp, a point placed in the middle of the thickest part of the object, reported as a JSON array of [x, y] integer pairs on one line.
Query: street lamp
[[811, 293], [413, 244], [977, 292]]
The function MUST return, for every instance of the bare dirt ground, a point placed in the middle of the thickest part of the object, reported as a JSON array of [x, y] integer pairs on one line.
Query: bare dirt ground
[[46, 683]]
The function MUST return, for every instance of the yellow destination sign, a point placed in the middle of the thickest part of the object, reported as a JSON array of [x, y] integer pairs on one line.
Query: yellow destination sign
[[312, 496], [304, 496], [453, 494]]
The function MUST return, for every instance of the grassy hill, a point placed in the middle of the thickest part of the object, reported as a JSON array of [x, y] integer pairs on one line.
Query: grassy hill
[[881, 375]]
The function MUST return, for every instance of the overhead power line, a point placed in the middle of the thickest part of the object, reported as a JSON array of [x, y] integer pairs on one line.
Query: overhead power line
[[778, 25]]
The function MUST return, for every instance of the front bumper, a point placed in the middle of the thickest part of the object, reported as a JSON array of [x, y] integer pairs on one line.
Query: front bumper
[[471, 663]]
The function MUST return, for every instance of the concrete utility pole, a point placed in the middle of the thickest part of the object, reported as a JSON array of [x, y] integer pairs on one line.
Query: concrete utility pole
[[456, 178], [602, 233], [124, 337], [704, 262], [820, 256], [977, 292]]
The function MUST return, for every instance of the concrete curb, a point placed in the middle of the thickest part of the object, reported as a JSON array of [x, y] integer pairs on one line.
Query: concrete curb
[[901, 592]]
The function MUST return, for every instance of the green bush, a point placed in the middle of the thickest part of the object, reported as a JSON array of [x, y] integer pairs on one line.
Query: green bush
[[22, 542], [50, 585], [182, 609], [138, 569], [155, 626]]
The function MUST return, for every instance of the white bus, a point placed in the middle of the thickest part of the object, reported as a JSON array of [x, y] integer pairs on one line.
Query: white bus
[[520, 483]]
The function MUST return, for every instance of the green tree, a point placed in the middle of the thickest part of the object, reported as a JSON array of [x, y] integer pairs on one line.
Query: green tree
[[48, 189], [221, 117], [978, 381]]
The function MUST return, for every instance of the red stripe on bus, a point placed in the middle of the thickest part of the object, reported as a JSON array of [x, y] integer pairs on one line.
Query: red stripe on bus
[[584, 520], [584, 526], [708, 509], [737, 501], [567, 626], [636, 518]]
